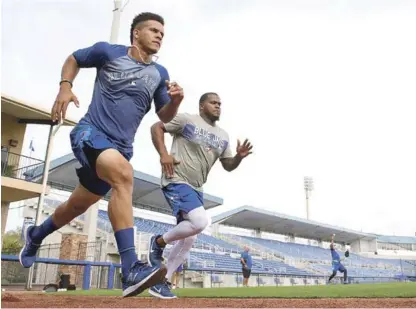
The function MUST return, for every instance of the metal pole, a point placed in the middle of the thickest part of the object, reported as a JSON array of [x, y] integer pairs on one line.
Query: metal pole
[[52, 133], [115, 26], [308, 185]]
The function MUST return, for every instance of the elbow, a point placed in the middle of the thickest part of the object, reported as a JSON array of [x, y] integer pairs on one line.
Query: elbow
[[226, 165], [166, 114], [157, 127], [166, 118]]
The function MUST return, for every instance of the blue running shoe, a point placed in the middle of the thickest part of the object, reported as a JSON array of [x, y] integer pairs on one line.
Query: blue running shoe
[[141, 276], [162, 290], [27, 255], [155, 252]]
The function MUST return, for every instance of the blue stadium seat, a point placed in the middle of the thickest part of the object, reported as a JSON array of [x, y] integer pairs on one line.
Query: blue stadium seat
[[219, 258]]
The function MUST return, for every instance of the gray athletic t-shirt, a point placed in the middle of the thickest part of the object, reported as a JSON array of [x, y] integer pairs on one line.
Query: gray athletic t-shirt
[[197, 145]]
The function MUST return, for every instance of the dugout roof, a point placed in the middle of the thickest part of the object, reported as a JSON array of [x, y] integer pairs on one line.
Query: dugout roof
[[249, 217], [146, 193]]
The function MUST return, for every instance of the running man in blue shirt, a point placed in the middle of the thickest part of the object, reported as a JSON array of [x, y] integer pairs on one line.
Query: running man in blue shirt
[[127, 82], [336, 263]]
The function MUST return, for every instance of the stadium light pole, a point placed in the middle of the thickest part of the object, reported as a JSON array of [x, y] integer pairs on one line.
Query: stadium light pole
[[52, 131], [115, 25], [308, 183]]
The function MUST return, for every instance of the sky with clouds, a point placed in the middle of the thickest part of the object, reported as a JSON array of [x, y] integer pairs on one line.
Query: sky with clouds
[[321, 88]]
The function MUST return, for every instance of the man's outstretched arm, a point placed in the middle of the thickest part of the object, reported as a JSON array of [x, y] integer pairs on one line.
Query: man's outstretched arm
[[69, 70], [65, 96], [230, 164], [89, 57]]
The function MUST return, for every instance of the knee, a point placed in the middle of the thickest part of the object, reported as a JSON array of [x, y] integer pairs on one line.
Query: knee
[[200, 224], [123, 177]]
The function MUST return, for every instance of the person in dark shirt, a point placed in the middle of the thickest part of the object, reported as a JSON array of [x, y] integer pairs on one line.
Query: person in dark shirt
[[127, 82]]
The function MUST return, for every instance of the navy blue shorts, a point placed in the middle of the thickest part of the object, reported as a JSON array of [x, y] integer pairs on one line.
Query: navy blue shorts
[[182, 198], [87, 143], [338, 267]]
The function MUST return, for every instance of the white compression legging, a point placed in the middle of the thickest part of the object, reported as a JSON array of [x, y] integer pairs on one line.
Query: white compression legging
[[195, 222], [185, 233], [178, 253]]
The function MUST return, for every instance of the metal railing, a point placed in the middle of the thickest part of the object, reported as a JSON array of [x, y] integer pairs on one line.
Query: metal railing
[[229, 278], [318, 267], [106, 275], [13, 273], [18, 166], [83, 273]]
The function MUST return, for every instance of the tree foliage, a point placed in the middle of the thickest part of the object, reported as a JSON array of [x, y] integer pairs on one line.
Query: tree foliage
[[12, 242]]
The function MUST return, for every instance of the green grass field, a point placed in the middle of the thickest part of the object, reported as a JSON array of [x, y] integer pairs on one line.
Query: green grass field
[[330, 291]]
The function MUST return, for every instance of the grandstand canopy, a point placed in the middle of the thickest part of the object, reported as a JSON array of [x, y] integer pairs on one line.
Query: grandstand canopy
[[249, 217], [146, 193], [397, 239], [28, 113]]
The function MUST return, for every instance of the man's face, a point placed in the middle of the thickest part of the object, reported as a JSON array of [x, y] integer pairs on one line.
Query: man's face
[[212, 107], [149, 35]]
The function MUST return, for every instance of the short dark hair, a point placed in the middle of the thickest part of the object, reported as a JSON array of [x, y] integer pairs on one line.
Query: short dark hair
[[142, 17], [205, 96]]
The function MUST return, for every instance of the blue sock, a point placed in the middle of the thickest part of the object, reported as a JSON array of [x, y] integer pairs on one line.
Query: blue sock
[[126, 248], [39, 233]]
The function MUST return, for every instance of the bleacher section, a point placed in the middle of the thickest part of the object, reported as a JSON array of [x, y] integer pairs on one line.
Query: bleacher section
[[218, 258], [215, 259], [228, 263], [220, 255], [320, 259], [211, 253]]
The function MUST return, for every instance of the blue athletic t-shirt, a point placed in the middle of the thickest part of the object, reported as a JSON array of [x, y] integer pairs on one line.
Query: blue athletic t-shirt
[[123, 91], [247, 258], [335, 257]]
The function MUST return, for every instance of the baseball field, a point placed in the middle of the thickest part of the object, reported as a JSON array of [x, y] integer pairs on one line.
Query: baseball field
[[392, 295]]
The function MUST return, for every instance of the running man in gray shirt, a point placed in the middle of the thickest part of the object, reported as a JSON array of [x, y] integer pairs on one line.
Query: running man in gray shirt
[[198, 142]]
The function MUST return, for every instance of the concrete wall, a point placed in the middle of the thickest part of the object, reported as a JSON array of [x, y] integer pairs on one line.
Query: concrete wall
[[11, 129], [13, 190], [364, 246]]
